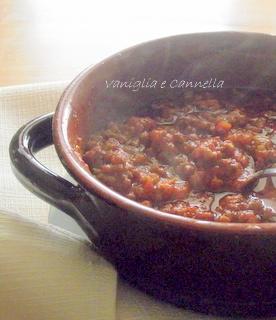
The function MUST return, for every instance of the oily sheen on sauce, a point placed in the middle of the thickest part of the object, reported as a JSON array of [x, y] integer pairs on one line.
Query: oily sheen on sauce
[[191, 157]]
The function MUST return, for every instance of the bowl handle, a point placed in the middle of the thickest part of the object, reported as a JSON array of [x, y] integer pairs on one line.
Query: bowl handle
[[70, 198]]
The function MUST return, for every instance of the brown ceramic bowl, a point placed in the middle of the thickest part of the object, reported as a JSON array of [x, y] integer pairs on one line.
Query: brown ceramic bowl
[[225, 268]]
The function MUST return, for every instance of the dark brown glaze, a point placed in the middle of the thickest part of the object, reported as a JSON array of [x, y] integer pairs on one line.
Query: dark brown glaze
[[222, 268]]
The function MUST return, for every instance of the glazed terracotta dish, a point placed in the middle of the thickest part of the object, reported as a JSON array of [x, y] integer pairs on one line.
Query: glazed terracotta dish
[[161, 169]]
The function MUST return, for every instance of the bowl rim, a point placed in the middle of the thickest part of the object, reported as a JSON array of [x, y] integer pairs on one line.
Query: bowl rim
[[75, 167]]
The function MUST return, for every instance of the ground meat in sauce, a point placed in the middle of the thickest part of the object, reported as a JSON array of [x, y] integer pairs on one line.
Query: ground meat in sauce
[[185, 152]]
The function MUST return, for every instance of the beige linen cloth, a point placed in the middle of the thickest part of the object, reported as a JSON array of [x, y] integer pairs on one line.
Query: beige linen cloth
[[19, 105]]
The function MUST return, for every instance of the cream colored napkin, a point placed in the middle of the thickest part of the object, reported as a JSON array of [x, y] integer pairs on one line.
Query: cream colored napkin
[[17, 106], [47, 273]]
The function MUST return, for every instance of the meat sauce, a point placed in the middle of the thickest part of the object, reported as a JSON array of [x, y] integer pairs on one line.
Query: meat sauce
[[183, 154]]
